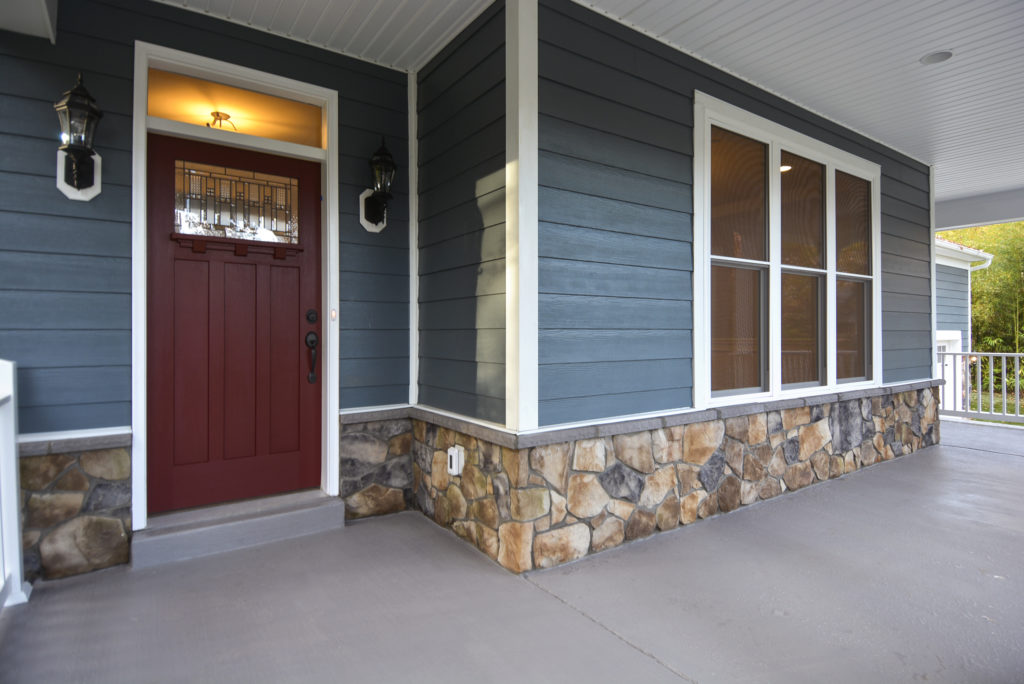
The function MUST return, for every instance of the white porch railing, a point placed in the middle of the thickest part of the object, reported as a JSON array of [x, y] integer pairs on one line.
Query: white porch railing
[[13, 588], [982, 385]]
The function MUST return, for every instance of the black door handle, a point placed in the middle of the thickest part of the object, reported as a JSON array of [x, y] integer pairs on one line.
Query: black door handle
[[312, 340]]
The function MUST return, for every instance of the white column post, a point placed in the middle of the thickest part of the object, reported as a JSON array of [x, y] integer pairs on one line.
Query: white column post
[[414, 246], [13, 587], [931, 272], [140, 296], [521, 142]]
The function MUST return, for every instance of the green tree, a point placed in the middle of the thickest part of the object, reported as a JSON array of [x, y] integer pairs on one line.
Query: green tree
[[997, 292]]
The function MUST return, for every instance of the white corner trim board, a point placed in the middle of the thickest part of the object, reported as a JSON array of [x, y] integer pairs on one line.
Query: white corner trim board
[[148, 55], [414, 242], [931, 271], [521, 252]]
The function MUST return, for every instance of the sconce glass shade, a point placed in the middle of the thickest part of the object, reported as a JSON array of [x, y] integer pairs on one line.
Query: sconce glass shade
[[383, 166], [78, 116]]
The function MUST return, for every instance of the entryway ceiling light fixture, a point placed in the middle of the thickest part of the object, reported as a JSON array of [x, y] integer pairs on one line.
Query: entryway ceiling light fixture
[[78, 166], [219, 119], [373, 202]]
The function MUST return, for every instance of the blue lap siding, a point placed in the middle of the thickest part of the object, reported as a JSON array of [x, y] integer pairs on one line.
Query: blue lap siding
[[953, 301], [614, 203], [616, 166], [461, 124], [65, 266]]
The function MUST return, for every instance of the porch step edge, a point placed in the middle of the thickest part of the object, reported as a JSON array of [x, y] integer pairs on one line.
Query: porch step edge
[[214, 534]]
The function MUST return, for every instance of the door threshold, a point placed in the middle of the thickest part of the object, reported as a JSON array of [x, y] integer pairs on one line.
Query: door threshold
[[182, 535]]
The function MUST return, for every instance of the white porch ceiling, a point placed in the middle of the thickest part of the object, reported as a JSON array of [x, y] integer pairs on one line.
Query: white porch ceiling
[[401, 34], [32, 17], [856, 63]]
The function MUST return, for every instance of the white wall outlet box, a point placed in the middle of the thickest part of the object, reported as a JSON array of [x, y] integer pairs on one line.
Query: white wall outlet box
[[456, 459]]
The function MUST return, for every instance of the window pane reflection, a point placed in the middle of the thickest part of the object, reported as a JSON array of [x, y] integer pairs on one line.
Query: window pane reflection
[[801, 328], [803, 211], [738, 195], [853, 329], [736, 328], [853, 224]]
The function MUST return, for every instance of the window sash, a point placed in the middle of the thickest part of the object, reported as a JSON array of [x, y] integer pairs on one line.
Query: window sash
[[803, 206], [739, 344], [853, 329], [739, 196], [803, 329]]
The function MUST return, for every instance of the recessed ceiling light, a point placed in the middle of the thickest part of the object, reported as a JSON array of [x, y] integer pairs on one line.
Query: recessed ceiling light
[[936, 57]]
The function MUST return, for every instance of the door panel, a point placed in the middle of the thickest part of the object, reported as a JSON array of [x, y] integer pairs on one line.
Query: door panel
[[191, 336], [285, 367], [240, 333], [232, 413]]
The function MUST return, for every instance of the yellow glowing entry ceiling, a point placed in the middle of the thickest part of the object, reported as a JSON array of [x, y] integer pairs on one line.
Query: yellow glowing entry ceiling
[[193, 100]]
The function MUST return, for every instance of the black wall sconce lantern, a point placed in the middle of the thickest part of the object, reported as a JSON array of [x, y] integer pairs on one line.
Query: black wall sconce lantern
[[373, 202], [79, 168]]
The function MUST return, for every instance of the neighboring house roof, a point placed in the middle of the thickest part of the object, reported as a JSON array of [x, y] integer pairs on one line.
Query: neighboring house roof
[[960, 256]]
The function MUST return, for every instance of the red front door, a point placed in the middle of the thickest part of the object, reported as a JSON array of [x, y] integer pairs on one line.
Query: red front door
[[234, 324]]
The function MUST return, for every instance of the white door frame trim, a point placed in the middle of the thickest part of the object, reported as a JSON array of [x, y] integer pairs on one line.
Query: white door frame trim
[[148, 55]]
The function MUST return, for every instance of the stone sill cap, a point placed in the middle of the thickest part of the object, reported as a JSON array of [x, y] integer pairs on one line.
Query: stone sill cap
[[524, 440], [42, 443]]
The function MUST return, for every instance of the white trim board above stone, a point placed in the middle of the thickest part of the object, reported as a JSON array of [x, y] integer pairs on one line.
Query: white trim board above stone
[[617, 425]]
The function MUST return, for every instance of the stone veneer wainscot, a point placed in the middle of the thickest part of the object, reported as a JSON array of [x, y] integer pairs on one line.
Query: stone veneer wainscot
[[376, 469], [75, 510], [553, 503], [527, 501]]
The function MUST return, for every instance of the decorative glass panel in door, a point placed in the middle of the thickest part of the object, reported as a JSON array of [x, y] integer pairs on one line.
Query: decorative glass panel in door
[[216, 201]]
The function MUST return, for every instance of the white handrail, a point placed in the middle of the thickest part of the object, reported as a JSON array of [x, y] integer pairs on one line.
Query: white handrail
[[13, 588], [984, 385]]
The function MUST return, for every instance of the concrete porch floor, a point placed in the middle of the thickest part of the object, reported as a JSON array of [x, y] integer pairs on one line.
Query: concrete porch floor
[[911, 570]]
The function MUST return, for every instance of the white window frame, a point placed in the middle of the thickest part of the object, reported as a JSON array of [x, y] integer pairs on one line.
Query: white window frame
[[710, 111]]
